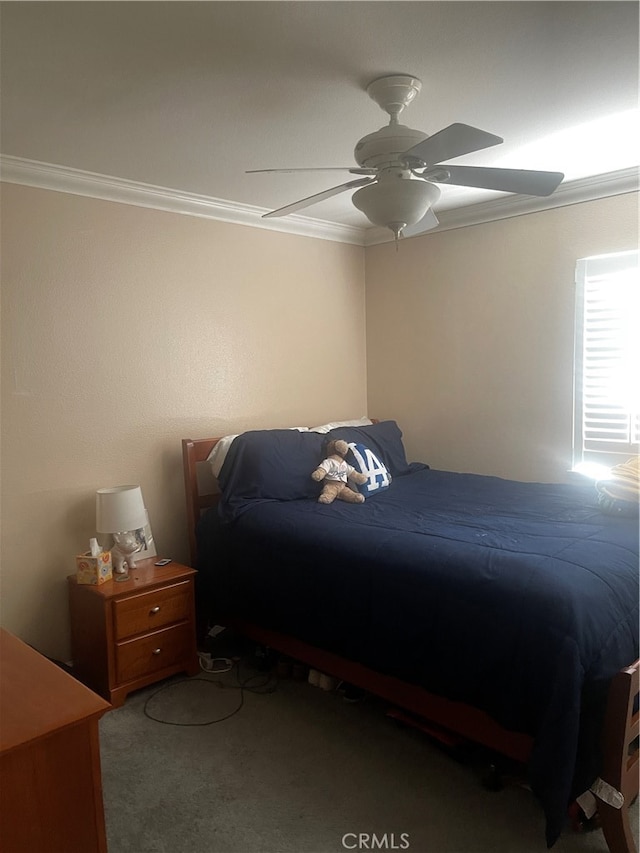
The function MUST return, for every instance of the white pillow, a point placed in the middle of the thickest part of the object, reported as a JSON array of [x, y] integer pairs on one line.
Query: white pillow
[[219, 453], [334, 424]]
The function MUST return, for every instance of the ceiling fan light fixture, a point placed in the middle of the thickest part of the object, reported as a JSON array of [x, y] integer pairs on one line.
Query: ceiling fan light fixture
[[396, 203]]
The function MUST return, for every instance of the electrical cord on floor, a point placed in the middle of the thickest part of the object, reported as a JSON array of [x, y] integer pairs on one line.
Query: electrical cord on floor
[[268, 684]]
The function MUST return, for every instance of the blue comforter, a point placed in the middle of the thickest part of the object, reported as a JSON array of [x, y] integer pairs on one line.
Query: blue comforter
[[527, 588]]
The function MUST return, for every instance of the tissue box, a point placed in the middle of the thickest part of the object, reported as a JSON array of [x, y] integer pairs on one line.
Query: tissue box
[[94, 570]]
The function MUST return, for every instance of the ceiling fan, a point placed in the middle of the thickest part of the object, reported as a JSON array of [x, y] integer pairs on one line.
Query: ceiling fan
[[399, 167]]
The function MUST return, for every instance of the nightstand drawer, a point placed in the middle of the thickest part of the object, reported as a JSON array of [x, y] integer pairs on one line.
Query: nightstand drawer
[[137, 658], [148, 611]]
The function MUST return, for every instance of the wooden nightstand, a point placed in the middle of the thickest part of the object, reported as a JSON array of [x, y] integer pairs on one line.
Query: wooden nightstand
[[128, 634]]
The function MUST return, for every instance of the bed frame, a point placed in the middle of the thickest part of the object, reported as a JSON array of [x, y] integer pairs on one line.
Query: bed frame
[[445, 717]]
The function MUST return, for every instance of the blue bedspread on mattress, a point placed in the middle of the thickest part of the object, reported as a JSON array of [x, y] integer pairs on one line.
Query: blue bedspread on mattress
[[527, 588]]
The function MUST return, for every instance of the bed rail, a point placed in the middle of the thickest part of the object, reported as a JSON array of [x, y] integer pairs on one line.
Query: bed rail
[[620, 763]]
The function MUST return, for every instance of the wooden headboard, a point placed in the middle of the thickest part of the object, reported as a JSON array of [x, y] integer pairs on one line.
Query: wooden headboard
[[200, 495]]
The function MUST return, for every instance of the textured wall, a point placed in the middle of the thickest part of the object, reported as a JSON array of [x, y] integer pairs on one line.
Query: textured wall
[[470, 336], [125, 330]]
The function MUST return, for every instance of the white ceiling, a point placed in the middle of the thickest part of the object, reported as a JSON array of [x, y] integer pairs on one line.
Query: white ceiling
[[187, 95]]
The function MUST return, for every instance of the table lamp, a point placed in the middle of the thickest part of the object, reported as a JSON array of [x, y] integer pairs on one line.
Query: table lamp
[[120, 512]]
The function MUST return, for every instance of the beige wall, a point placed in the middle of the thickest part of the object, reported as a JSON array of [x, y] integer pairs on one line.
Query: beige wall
[[125, 330], [470, 336]]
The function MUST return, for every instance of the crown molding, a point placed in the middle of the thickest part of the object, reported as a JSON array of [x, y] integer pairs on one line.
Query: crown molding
[[573, 192], [49, 176]]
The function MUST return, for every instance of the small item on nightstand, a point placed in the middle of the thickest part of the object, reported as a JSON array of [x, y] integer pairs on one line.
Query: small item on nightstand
[[121, 513], [94, 566], [125, 545]]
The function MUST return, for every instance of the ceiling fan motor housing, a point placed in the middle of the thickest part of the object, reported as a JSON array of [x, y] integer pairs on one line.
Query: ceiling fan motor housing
[[385, 147]]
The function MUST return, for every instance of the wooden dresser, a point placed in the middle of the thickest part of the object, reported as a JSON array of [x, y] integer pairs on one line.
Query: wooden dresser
[[128, 634], [50, 782]]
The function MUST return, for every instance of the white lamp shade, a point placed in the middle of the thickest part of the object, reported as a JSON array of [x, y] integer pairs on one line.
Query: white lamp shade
[[119, 509]]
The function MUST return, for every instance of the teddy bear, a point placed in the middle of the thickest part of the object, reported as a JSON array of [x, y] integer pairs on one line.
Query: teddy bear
[[336, 473]]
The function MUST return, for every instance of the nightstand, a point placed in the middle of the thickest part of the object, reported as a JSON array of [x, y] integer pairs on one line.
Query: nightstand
[[129, 634]]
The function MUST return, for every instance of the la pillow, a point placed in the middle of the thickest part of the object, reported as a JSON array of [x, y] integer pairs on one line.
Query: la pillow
[[366, 462], [384, 439]]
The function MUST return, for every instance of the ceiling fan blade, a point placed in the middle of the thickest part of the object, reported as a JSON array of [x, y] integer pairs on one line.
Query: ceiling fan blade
[[314, 199], [428, 221], [355, 170], [453, 141], [523, 181]]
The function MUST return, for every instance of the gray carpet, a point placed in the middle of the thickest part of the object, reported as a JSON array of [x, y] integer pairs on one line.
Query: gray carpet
[[296, 771]]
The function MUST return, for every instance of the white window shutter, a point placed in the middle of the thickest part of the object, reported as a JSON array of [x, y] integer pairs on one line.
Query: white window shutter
[[607, 359]]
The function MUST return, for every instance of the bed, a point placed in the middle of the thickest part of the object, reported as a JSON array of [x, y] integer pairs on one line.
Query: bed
[[506, 612]]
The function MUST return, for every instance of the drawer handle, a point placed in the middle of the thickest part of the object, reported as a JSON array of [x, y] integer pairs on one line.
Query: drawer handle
[[156, 651], [155, 609]]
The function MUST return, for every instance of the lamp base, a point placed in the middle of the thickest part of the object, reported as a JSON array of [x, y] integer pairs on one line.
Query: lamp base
[[126, 545]]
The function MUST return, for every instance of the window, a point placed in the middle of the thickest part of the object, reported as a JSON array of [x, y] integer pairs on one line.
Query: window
[[607, 360]]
